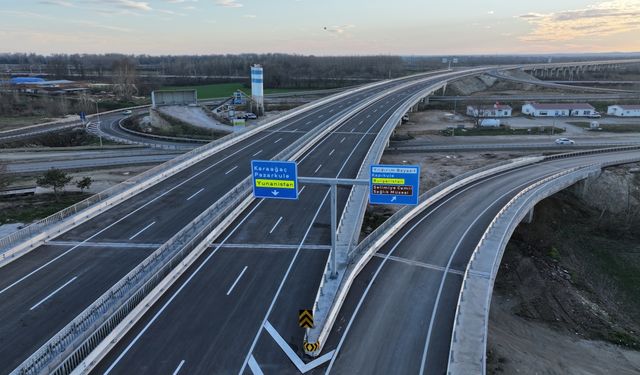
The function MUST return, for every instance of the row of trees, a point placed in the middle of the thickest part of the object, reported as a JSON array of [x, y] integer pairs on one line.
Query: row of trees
[[281, 70], [58, 180]]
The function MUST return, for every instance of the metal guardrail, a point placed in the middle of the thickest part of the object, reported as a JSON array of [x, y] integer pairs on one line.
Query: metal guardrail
[[350, 222], [161, 137], [470, 329], [513, 146], [137, 184], [63, 352]]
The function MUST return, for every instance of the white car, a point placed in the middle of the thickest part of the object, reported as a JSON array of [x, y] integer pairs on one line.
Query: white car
[[127, 112], [565, 141]]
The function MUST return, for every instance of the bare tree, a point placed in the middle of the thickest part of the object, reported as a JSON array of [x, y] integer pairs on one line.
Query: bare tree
[[124, 78]]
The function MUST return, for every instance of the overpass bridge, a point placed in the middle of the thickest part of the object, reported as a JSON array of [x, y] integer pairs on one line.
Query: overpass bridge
[[180, 267]]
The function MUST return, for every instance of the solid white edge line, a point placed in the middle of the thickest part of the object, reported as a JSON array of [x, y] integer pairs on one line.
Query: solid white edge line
[[52, 294], [255, 368], [23, 278], [196, 193], [188, 280], [237, 279], [276, 224], [177, 292], [141, 230], [177, 370], [379, 269], [304, 238], [436, 303], [284, 279]]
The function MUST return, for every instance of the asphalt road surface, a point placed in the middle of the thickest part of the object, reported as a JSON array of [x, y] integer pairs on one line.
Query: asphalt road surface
[[398, 317], [267, 266], [53, 277]]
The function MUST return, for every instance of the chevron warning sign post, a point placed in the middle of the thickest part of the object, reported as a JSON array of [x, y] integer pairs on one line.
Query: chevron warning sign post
[[305, 318], [311, 346]]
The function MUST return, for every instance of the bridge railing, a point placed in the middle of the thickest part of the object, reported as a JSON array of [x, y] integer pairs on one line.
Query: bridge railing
[[470, 329], [21, 242], [65, 350]]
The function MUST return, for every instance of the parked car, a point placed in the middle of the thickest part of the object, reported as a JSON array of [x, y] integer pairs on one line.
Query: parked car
[[127, 112], [405, 118], [250, 116], [565, 141]]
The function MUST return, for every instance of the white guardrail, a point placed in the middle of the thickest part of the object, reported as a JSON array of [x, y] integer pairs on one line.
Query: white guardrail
[[348, 230], [21, 242], [63, 352], [330, 306], [468, 349]]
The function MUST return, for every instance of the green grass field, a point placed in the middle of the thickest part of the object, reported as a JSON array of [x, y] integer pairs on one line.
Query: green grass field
[[220, 90]]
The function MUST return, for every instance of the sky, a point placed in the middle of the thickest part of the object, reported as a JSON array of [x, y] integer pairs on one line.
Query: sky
[[319, 27]]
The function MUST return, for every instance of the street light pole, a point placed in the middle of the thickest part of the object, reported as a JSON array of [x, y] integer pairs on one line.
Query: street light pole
[[98, 115]]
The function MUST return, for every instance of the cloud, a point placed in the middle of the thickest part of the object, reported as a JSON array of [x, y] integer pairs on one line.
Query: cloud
[[104, 27], [127, 4], [601, 19], [229, 3], [490, 12], [66, 4], [250, 16]]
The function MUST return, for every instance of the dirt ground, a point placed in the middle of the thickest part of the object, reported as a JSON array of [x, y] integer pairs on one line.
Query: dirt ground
[[566, 299], [439, 167], [519, 346]]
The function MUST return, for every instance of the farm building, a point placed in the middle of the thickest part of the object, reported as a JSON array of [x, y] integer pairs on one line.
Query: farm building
[[559, 109], [624, 110], [495, 110]]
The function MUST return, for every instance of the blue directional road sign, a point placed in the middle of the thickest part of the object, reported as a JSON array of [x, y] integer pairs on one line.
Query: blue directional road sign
[[274, 179], [394, 184]]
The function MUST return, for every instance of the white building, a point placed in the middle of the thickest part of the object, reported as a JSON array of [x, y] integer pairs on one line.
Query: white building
[[495, 110], [559, 109], [624, 110]]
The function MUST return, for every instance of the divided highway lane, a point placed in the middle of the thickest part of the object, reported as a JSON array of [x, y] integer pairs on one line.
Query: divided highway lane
[[398, 317], [147, 218], [265, 267]]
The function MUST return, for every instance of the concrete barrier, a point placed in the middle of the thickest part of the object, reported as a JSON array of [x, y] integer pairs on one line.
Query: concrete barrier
[[29, 238], [470, 329]]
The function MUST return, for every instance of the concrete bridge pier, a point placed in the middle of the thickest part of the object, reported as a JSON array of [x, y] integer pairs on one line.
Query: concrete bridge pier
[[528, 219]]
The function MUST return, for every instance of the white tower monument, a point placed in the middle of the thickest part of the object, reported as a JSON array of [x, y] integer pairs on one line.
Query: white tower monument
[[257, 89]]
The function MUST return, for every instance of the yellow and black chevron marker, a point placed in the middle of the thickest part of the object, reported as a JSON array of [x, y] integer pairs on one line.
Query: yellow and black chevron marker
[[311, 346], [305, 318]]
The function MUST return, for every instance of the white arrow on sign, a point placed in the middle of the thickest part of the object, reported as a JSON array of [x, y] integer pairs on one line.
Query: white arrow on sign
[[275, 192], [394, 199]]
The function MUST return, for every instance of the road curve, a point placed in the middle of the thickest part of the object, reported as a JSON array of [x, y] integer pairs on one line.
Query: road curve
[[399, 315]]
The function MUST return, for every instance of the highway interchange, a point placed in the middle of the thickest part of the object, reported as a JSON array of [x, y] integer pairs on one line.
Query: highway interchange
[[143, 219], [219, 317]]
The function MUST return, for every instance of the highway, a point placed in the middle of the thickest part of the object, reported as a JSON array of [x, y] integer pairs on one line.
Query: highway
[[28, 163], [537, 82], [43, 290], [265, 267], [398, 316]]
